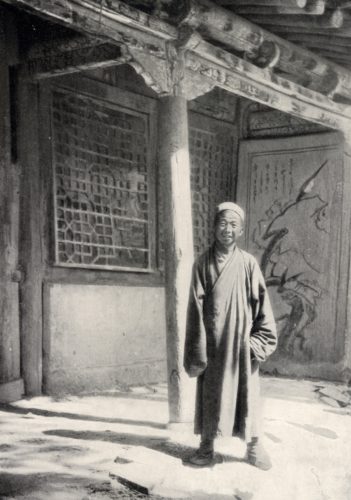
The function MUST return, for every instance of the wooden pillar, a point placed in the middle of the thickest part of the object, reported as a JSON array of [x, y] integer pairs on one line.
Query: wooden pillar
[[175, 180], [30, 246], [346, 253], [11, 385]]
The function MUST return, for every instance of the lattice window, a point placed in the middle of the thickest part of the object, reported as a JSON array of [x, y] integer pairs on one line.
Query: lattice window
[[102, 206], [212, 148], [212, 159]]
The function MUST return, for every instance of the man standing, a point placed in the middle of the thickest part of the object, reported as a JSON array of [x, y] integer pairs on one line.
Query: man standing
[[230, 330]]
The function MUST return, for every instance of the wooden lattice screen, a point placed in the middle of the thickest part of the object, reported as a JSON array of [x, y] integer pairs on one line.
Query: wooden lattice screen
[[101, 183], [212, 146], [213, 150]]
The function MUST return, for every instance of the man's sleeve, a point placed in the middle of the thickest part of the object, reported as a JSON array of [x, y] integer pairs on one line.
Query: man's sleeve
[[195, 354], [263, 337]]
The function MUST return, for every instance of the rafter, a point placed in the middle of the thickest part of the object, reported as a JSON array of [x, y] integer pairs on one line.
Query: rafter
[[263, 10], [145, 39], [215, 23], [316, 7], [278, 3], [330, 20]]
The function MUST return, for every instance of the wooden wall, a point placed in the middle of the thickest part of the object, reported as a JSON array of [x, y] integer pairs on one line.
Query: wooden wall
[[294, 184], [100, 332], [220, 125], [11, 385]]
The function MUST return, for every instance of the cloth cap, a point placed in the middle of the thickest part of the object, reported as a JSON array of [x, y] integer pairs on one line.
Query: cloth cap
[[229, 205]]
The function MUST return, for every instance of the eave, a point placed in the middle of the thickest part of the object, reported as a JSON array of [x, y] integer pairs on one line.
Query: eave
[[151, 45]]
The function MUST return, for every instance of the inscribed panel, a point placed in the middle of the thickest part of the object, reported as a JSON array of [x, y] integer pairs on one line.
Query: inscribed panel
[[292, 190]]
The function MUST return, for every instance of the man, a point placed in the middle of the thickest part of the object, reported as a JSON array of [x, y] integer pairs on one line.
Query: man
[[230, 330]]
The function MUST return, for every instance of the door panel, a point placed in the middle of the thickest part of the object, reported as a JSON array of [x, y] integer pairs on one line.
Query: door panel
[[292, 190]]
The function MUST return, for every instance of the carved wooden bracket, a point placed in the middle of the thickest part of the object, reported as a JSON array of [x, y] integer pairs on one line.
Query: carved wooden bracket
[[168, 75]]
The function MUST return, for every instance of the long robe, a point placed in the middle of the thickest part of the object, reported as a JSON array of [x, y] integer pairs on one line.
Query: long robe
[[230, 330]]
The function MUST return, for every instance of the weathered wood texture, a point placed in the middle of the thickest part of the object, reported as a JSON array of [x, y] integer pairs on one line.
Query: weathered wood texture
[[79, 55], [267, 10], [175, 182], [259, 121], [117, 21], [300, 4], [9, 303], [329, 20], [346, 263], [30, 238], [216, 23], [244, 79], [158, 63], [296, 198]]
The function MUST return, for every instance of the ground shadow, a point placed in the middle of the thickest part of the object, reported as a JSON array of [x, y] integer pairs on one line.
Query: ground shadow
[[76, 416], [27, 484], [319, 431], [148, 396], [156, 443], [43, 486]]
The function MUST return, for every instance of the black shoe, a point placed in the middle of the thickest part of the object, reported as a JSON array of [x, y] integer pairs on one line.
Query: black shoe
[[202, 458], [257, 455]]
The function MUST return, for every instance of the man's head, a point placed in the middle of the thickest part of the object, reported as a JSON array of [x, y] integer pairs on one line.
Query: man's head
[[229, 223]]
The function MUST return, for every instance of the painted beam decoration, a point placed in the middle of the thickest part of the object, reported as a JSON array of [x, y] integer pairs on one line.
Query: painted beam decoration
[[264, 48], [76, 55], [185, 58]]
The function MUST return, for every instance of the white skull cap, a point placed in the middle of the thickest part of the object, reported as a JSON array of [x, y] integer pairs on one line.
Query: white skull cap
[[229, 205]]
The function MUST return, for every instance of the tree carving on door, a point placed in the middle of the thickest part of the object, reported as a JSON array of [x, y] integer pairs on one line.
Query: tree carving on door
[[294, 200]]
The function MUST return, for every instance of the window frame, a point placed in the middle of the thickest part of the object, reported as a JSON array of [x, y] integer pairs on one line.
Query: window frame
[[125, 101]]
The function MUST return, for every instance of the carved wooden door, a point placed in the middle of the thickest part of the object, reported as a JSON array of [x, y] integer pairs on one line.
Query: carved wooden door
[[292, 190]]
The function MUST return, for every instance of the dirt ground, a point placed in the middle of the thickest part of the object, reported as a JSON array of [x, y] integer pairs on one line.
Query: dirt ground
[[116, 445]]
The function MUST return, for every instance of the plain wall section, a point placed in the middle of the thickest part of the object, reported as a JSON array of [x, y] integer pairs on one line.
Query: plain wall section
[[99, 336]]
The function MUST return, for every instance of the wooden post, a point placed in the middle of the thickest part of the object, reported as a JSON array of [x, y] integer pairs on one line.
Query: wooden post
[[11, 385], [175, 180], [346, 254], [30, 238]]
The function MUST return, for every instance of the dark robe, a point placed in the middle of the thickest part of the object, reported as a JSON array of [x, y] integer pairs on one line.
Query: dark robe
[[230, 329]]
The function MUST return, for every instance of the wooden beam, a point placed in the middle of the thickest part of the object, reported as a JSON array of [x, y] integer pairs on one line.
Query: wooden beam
[[242, 78], [319, 40], [274, 3], [89, 54], [215, 23], [316, 7], [258, 10], [146, 34], [335, 50], [264, 94], [286, 31], [341, 54], [96, 17], [330, 20]]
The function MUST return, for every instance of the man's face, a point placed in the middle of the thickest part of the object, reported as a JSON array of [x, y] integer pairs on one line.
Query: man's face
[[229, 228]]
